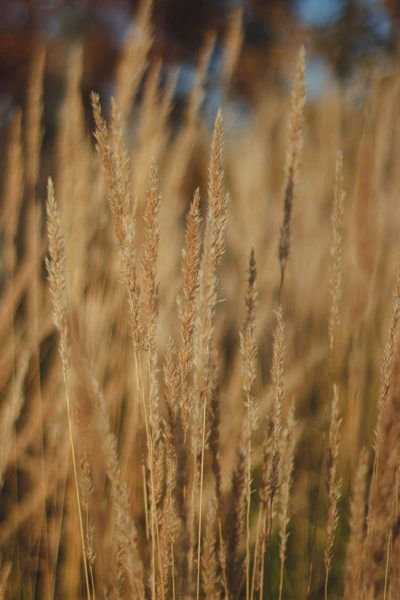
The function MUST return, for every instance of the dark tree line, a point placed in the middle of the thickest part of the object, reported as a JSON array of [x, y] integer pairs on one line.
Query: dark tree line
[[273, 30]]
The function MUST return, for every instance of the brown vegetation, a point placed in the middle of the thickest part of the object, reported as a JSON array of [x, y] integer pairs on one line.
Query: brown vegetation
[[171, 435]]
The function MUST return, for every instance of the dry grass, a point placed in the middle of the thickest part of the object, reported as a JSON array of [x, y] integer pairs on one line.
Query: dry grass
[[168, 436]]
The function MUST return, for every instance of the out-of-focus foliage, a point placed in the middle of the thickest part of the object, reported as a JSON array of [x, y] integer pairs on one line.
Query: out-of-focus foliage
[[341, 34]]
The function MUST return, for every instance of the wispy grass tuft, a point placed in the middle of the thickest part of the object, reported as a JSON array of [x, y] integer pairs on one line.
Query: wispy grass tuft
[[292, 165]]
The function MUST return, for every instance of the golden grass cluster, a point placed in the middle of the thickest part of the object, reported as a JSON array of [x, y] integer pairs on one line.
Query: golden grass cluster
[[200, 356]]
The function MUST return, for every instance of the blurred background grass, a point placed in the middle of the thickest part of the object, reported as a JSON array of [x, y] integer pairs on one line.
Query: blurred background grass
[[352, 49], [343, 39]]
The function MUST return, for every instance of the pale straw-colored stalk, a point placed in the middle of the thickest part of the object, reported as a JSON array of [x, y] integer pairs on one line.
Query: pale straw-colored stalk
[[56, 275], [289, 439], [355, 546], [333, 484], [248, 353], [271, 468], [212, 254], [187, 306]]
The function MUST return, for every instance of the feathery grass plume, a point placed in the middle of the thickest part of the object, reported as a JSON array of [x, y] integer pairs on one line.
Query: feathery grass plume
[[248, 354], [381, 492], [187, 306], [215, 441], [150, 255], [263, 511], [277, 372], [117, 179], [150, 291], [184, 543], [86, 492], [289, 439], [214, 417], [13, 192], [378, 503], [86, 485], [273, 482], [55, 264], [209, 572], [134, 58], [271, 469], [355, 547], [236, 522], [168, 535], [388, 360], [171, 379], [212, 253], [292, 160], [248, 343], [335, 271], [150, 310], [169, 529], [127, 557], [74, 169], [116, 171], [333, 483], [39, 528]]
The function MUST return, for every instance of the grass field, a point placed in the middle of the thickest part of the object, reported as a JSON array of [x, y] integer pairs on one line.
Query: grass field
[[200, 358]]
